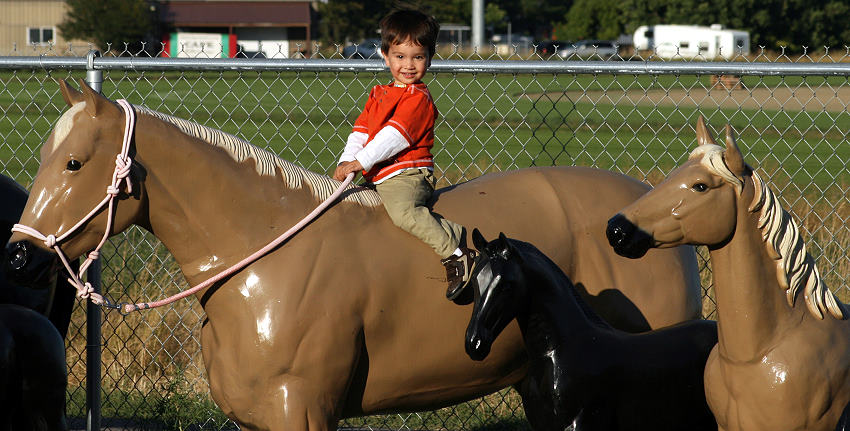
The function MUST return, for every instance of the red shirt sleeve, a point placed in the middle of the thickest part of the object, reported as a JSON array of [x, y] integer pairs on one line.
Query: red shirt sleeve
[[414, 117]]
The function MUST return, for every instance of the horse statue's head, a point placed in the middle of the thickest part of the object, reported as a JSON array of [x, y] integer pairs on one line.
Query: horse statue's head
[[498, 285], [77, 164], [696, 204]]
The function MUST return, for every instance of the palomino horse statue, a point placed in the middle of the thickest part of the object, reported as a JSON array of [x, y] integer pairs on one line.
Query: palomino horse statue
[[783, 357], [347, 317], [32, 353], [580, 368]]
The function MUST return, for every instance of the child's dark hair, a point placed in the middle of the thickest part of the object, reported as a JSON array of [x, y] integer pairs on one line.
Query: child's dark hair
[[405, 24]]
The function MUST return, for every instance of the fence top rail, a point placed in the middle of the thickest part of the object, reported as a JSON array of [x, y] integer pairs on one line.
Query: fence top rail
[[438, 66]]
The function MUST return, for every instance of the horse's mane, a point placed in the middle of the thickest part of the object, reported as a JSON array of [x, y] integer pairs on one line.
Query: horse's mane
[[795, 267], [266, 162]]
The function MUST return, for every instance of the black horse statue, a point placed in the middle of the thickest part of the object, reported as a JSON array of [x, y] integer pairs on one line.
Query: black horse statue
[[34, 318], [581, 370]]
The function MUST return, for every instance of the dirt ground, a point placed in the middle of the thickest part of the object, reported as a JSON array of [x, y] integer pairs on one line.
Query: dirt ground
[[815, 99]]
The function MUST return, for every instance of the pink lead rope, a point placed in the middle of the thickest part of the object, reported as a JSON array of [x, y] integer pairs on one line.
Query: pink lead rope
[[122, 170]]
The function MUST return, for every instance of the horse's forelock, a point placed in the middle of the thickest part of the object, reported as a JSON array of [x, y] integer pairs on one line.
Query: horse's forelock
[[64, 125], [710, 156]]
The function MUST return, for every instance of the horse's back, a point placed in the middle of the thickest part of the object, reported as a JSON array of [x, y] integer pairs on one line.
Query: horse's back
[[564, 212]]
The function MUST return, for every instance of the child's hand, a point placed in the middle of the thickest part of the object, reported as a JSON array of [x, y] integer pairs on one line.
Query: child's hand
[[345, 168]]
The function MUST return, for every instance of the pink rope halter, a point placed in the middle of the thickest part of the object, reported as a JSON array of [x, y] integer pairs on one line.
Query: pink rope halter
[[123, 163]]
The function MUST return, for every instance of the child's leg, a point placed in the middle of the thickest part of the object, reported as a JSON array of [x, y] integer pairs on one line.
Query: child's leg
[[405, 198]]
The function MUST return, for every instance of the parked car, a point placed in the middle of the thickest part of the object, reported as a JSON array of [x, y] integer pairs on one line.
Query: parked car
[[368, 49], [590, 49], [548, 48]]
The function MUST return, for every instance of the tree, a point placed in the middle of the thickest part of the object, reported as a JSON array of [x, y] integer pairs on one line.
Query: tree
[[109, 23], [592, 19]]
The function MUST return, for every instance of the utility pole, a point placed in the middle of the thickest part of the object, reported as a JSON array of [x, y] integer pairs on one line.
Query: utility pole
[[477, 25]]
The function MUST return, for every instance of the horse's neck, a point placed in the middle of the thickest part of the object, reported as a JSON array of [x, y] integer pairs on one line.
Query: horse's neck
[[554, 315], [751, 306], [208, 210]]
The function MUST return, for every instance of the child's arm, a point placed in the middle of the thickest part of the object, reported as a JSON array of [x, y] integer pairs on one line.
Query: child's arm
[[356, 141], [387, 143]]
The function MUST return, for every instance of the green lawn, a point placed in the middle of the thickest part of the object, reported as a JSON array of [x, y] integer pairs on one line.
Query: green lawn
[[490, 121]]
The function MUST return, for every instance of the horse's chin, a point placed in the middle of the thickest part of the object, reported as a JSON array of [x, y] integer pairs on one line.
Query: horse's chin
[[631, 251]]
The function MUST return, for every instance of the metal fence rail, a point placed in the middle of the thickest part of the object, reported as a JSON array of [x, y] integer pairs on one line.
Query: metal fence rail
[[634, 117]]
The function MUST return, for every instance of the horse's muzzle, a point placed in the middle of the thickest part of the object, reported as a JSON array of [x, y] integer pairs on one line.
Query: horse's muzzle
[[627, 239], [27, 265], [478, 344]]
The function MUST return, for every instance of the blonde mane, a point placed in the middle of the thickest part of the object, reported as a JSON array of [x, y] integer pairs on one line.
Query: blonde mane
[[266, 162], [795, 267]]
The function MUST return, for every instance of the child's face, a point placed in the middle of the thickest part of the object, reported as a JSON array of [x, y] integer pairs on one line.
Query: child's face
[[407, 62]]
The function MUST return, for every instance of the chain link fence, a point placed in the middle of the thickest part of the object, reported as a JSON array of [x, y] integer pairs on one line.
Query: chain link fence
[[633, 115]]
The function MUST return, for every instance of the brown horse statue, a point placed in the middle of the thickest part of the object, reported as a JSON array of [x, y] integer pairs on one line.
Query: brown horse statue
[[33, 375], [783, 357], [581, 370], [347, 317]]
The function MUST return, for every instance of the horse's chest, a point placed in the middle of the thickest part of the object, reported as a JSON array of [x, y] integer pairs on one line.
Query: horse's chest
[[769, 394]]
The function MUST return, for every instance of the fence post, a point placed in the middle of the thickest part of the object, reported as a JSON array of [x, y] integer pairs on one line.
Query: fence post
[[94, 78]]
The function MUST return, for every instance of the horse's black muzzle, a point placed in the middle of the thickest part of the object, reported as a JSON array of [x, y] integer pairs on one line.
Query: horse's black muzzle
[[477, 344], [27, 265], [627, 239]]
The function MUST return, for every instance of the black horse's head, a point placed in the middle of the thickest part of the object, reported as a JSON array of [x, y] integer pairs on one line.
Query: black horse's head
[[498, 287]]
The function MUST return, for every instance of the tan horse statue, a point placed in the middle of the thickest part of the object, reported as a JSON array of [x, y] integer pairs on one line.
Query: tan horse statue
[[783, 357], [348, 317]]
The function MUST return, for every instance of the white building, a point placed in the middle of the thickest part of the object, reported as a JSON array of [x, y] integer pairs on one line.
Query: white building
[[691, 41]]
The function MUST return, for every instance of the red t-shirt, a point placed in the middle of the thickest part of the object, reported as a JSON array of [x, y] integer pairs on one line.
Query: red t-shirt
[[411, 111]]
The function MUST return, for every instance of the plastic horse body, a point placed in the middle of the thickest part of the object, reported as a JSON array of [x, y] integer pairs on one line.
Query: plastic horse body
[[32, 353], [580, 368], [783, 357], [339, 320]]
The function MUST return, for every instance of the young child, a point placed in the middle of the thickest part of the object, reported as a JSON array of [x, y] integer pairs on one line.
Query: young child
[[392, 138]]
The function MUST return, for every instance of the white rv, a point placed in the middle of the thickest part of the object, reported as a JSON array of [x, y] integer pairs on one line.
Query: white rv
[[691, 41]]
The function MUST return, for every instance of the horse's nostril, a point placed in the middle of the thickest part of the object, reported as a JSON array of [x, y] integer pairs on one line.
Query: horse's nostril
[[617, 231], [18, 256]]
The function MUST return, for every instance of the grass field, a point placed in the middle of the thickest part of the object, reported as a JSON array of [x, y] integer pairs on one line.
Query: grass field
[[639, 125]]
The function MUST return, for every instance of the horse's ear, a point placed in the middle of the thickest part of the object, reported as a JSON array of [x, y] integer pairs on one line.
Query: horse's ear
[[732, 156], [703, 135], [70, 94], [95, 102], [478, 240]]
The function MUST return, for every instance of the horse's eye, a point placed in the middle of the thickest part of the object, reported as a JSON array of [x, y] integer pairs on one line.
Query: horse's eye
[[700, 187], [73, 165]]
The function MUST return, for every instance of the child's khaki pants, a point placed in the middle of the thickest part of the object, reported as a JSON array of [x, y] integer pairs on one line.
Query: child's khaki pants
[[406, 197]]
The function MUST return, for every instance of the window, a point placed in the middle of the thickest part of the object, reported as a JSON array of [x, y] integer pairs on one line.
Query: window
[[649, 34], [684, 45], [39, 35]]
